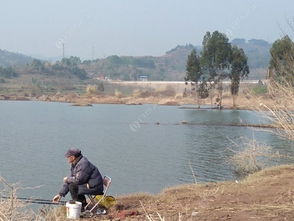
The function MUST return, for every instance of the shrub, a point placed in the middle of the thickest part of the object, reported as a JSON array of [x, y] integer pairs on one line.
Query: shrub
[[117, 93], [8, 72], [91, 89], [280, 110], [251, 159], [36, 90], [260, 89]]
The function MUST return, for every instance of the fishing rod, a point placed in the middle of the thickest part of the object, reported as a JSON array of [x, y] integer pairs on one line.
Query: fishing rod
[[36, 201]]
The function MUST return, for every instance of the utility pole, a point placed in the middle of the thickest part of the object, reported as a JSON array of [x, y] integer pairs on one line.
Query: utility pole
[[93, 52], [62, 50]]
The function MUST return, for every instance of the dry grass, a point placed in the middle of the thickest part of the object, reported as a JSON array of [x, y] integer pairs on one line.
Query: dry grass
[[56, 214], [280, 110], [160, 91], [167, 91], [179, 96], [118, 94], [264, 195], [91, 90], [251, 158], [141, 93], [11, 208]]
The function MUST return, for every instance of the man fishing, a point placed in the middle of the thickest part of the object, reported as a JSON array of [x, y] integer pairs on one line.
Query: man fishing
[[85, 178]]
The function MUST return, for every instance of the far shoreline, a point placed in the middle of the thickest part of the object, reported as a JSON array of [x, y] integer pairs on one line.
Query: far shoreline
[[88, 100]]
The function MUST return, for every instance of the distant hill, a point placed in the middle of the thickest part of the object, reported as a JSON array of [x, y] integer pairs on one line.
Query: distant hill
[[172, 65], [256, 50], [10, 59]]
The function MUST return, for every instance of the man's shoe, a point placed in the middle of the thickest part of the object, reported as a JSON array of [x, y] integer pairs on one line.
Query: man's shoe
[[101, 211]]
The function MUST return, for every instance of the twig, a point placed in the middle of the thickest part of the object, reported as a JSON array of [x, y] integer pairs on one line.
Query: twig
[[161, 218], [147, 215], [194, 176]]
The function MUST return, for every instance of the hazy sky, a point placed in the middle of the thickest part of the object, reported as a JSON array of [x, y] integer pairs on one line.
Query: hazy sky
[[134, 27]]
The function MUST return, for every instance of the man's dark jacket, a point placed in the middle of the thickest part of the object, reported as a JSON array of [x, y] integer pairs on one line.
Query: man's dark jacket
[[84, 173]]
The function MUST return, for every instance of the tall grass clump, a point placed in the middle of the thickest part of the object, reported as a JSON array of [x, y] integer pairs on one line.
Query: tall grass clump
[[91, 89], [281, 86], [259, 89], [250, 159], [10, 207], [281, 108], [118, 93], [13, 209]]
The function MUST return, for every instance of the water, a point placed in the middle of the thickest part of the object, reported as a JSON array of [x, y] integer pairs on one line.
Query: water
[[125, 142]]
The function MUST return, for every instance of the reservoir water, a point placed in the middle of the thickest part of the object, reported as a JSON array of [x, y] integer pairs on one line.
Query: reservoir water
[[143, 148]]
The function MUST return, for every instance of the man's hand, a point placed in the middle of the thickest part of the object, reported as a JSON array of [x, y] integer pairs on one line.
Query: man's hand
[[65, 179], [56, 198]]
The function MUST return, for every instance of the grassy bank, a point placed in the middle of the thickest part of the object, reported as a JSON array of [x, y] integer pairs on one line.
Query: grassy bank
[[265, 195]]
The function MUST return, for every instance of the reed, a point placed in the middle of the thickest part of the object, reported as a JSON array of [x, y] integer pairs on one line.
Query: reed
[[281, 109]]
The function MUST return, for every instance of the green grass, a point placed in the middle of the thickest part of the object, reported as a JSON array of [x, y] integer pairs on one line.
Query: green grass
[[260, 89]]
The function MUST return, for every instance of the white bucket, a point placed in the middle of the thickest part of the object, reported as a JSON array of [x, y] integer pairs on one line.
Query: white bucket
[[73, 210]]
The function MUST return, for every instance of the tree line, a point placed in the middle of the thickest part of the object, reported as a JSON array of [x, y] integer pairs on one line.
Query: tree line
[[7, 72], [218, 60], [67, 66]]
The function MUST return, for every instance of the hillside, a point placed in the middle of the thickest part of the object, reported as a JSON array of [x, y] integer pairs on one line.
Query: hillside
[[10, 59], [172, 65], [256, 50]]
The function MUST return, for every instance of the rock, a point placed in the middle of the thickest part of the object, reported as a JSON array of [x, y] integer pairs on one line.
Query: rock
[[170, 103], [133, 103], [194, 213], [21, 98], [82, 105]]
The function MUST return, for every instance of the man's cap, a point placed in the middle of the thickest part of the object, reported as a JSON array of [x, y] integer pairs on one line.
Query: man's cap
[[73, 152]]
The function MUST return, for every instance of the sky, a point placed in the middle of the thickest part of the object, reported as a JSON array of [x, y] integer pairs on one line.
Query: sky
[[99, 28]]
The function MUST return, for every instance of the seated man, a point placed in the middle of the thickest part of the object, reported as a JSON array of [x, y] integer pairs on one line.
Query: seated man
[[85, 178]]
